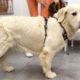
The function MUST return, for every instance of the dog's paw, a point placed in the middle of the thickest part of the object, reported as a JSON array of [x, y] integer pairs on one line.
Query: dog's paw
[[9, 69], [50, 74]]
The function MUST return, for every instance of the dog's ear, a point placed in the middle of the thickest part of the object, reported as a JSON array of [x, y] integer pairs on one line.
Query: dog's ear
[[60, 15]]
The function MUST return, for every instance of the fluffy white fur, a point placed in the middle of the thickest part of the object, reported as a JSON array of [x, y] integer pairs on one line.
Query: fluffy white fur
[[29, 34]]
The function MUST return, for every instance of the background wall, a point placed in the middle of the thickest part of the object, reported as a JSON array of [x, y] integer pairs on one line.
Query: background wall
[[74, 1], [20, 7]]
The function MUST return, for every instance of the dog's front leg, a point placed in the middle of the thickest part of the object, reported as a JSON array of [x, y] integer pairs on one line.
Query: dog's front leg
[[46, 60]]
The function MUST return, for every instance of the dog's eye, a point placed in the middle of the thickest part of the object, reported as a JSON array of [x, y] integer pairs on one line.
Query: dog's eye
[[74, 13]]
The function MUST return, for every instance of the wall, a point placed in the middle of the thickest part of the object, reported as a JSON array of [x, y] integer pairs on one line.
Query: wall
[[20, 7], [74, 1]]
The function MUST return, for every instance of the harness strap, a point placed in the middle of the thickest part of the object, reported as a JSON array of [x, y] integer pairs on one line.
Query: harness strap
[[45, 28], [64, 33]]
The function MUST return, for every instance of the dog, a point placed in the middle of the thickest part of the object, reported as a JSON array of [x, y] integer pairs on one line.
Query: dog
[[30, 33]]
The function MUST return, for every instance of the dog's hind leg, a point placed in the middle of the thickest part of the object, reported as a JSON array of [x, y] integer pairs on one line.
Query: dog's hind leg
[[6, 42], [46, 60], [3, 49], [5, 66]]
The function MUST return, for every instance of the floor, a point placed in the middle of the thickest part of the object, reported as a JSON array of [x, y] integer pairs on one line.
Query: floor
[[66, 66]]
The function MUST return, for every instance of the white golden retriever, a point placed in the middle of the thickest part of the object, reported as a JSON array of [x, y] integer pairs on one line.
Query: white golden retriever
[[29, 33]]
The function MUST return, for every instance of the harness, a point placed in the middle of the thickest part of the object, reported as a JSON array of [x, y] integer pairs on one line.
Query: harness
[[45, 28], [64, 33]]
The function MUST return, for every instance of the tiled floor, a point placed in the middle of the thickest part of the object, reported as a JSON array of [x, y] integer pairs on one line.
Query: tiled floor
[[66, 67]]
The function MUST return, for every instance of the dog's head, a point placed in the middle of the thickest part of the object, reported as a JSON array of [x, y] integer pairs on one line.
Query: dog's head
[[70, 18]]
